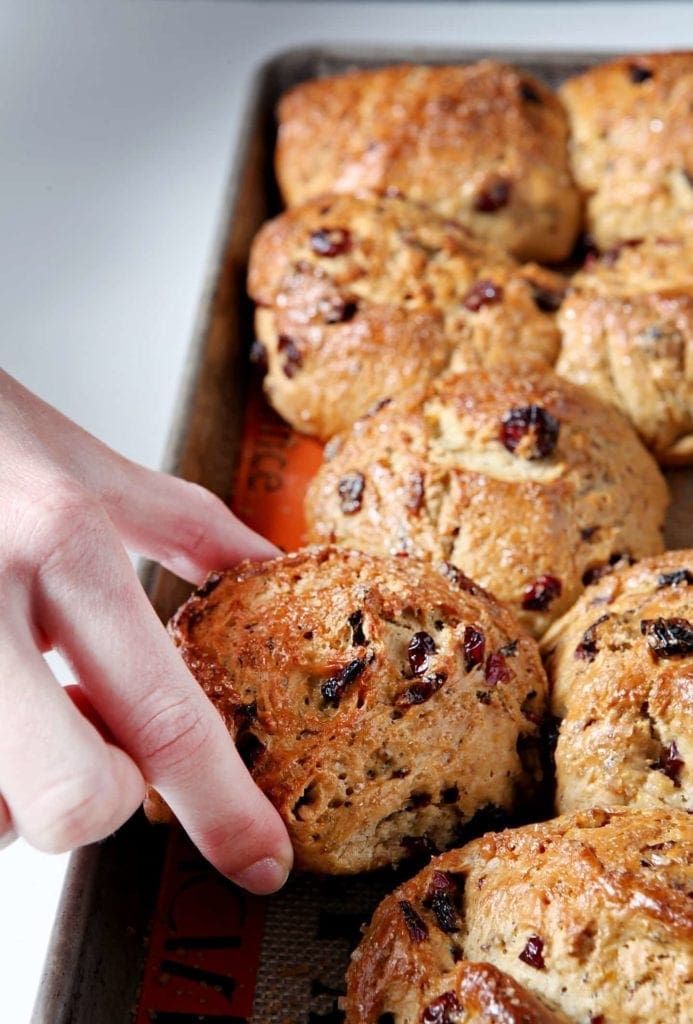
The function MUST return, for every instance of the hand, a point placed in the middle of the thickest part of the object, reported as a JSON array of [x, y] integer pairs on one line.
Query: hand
[[68, 505]]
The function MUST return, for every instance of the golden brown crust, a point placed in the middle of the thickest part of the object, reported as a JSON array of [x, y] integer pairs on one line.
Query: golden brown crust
[[590, 912], [361, 297], [642, 267], [436, 480], [626, 706], [370, 752], [628, 336], [632, 146], [484, 143], [489, 996]]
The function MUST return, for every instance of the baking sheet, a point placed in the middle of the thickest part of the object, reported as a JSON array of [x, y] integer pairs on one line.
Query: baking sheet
[[146, 931]]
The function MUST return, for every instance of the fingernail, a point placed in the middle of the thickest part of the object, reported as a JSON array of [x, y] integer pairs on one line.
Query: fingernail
[[262, 877]]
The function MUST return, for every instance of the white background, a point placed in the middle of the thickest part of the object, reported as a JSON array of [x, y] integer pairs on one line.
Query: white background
[[117, 125]]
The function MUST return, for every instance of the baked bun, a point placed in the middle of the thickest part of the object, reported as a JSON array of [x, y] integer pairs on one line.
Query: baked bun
[[485, 995], [620, 664], [526, 482], [632, 146], [590, 912], [628, 336], [360, 297], [485, 143], [481, 994], [380, 704]]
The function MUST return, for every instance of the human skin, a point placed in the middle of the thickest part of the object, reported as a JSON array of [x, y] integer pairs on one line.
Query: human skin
[[74, 761]]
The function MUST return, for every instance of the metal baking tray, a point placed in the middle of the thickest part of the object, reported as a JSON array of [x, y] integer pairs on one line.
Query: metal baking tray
[[119, 951]]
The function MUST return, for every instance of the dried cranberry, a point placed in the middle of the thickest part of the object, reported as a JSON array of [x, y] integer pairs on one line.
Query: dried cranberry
[[587, 649], [637, 73], [415, 496], [533, 953], [483, 293], [443, 908], [529, 93], [494, 197], [330, 241], [496, 669], [258, 355], [668, 638], [474, 643], [420, 691], [333, 688], [546, 299], [358, 637], [441, 900], [533, 422], [443, 1010], [674, 578], [443, 881], [416, 927], [670, 763], [539, 595], [351, 488], [293, 360], [421, 647], [509, 650], [456, 575]]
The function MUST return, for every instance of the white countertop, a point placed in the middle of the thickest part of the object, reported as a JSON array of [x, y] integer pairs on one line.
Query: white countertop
[[117, 125]]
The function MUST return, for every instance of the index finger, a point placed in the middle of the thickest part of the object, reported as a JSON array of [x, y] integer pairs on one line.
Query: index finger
[[177, 523], [155, 709]]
